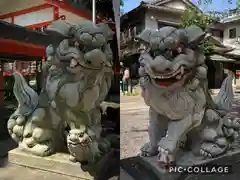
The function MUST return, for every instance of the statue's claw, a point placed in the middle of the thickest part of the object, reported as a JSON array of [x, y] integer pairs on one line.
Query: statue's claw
[[231, 126], [16, 127], [148, 150], [165, 159], [72, 159], [211, 149]]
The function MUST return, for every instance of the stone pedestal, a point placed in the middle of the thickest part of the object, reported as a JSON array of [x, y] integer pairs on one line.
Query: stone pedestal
[[232, 158], [57, 163]]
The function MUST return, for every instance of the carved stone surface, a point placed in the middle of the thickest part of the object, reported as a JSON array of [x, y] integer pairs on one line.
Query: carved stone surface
[[66, 114], [183, 118]]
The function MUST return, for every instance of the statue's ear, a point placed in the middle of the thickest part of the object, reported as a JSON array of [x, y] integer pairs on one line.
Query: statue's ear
[[145, 35], [107, 32], [195, 35], [60, 27]]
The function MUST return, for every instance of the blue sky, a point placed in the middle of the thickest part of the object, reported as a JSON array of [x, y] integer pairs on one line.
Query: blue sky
[[217, 5]]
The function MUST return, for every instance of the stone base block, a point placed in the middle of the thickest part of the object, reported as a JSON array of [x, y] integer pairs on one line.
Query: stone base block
[[231, 158], [57, 163]]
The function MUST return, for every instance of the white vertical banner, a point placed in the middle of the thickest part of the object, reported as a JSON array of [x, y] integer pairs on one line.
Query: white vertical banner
[[116, 9], [94, 11]]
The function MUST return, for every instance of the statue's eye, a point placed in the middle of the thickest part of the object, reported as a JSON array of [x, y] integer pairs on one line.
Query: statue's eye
[[81, 134]]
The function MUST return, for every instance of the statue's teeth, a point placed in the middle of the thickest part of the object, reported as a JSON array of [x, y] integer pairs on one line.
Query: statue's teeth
[[73, 63], [178, 77], [182, 70]]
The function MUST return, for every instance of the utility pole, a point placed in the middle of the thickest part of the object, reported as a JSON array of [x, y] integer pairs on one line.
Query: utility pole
[[94, 11], [116, 9]]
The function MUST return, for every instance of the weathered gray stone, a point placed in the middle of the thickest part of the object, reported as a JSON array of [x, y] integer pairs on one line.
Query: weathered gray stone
[[182, 114], [77, 78], [57, 163]]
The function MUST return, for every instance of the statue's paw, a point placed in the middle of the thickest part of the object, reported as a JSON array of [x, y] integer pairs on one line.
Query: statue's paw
[[15, 128], [17, 120], [30, 142], [42, 149], [148, 150], [211, 149], [18, 130], [164, 158], [72, 159], [167, 143]]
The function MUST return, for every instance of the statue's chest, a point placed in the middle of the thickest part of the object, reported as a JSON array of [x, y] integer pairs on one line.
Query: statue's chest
[[175, 105]]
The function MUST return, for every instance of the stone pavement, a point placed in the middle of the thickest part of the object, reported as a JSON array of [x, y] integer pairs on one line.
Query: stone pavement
[[131, 104]]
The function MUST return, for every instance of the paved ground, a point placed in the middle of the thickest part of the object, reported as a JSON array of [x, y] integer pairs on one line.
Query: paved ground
[[134, 122]]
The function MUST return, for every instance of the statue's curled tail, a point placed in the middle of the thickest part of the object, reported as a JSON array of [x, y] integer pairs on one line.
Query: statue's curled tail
[[27, 98], [225, 96]]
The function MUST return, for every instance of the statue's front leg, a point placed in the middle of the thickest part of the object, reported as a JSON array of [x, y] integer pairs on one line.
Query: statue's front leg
[[156, 130], [177, 130]]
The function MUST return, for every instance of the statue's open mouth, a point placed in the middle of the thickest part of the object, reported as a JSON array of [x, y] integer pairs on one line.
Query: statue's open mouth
[[170, 78], [72, 143]]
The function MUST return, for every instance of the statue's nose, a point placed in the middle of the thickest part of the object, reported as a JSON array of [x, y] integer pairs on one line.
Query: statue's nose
[[161, 65], [73, 137]]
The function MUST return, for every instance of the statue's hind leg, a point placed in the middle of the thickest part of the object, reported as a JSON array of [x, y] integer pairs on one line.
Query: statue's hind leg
[[38, 136]]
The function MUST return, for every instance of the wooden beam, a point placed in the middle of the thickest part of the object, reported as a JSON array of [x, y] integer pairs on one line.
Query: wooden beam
[[39, 24], [21, 48]]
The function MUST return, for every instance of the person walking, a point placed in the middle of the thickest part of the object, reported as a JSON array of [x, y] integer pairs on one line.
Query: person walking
[[134, 77], [125, 79]]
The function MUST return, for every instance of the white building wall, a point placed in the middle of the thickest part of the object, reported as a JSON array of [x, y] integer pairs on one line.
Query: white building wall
[[36, 17], [9, 20], [231, 42]]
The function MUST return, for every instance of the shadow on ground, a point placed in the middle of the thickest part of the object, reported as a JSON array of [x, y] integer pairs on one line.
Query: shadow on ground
[[136, 170]]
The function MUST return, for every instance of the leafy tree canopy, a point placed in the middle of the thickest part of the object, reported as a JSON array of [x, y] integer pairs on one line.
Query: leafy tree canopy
[[223, 13], [194, 16], [121, 2]]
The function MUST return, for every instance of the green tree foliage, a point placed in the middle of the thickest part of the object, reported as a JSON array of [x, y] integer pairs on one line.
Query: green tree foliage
[[211, 1], [121, 2], [194, 16], [221, 14]]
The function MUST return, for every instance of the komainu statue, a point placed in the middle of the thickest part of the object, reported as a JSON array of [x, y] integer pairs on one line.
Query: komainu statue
[[184, 117], [77, 78]]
